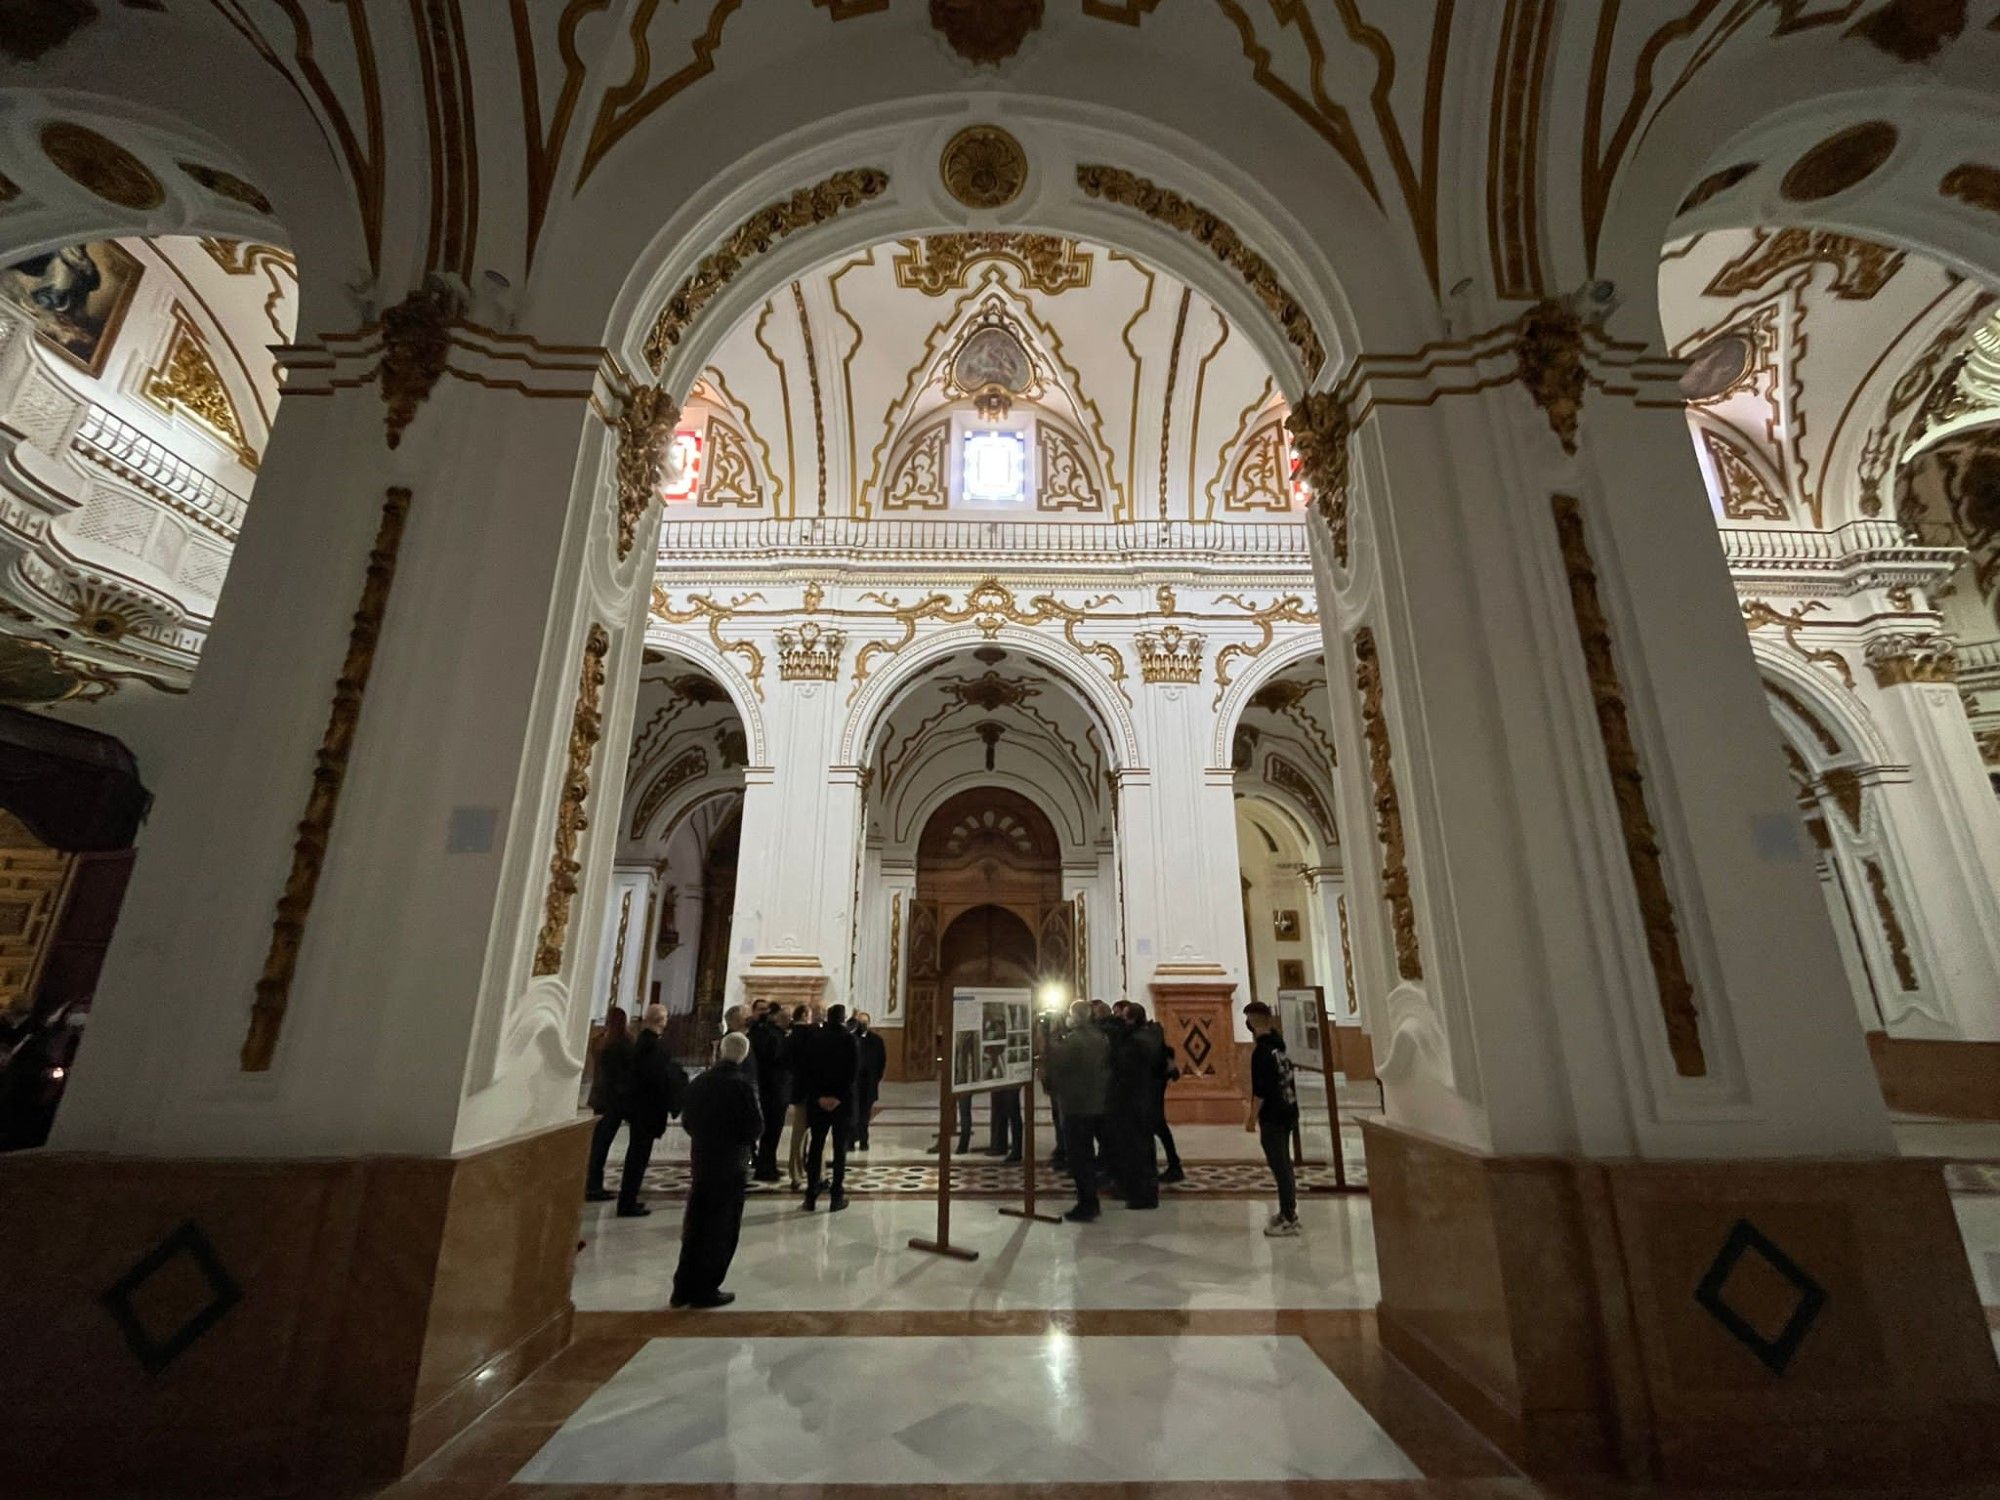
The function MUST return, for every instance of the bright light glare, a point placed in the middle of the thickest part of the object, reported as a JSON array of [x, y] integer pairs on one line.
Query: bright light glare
[[1052, 996], [996, 467]]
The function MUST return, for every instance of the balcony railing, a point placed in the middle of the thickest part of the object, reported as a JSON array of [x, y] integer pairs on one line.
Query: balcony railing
[[125, 450], [845, 538]]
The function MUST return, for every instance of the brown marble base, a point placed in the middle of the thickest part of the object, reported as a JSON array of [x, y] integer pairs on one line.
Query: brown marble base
[[1958, 1080], [382, 1305], [1553, 1303], [1354, 1053]]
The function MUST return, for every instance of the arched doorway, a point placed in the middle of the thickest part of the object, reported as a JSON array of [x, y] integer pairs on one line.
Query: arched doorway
[[989, 909]]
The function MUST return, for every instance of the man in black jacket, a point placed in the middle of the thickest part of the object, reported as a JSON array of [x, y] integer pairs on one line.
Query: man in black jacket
[[1274, 1113], [868, 1084], [829, 1064], [1166, 1070], [774, 1088], [653, 1090], [722, 1119], [1130, 1101]]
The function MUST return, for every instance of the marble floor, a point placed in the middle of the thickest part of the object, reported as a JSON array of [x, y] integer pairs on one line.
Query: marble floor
[[1175, 1352]]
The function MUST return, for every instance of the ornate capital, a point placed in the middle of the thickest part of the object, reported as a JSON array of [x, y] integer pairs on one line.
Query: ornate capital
[[416, 343], [1904, 657], [1170, 654], [1548, 347], [1320, 427], [645, 428], [810, 653]]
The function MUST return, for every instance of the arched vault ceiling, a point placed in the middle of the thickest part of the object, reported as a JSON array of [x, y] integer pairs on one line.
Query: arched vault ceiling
[[1483, 149], [839, 384]]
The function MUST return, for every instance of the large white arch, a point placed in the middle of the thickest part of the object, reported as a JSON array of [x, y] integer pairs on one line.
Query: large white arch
[[1236, 697], [870, 708], [703, 653]]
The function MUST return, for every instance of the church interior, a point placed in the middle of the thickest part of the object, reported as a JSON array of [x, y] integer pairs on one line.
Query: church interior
[[1455, 546]]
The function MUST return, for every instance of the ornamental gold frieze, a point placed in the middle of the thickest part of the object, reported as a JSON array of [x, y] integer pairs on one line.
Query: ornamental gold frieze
[[1388, 806], [1757, 615], [1291, 609], [939, 263], [1628, 787], [315, 830], [1904, 657], [717, 614], [1320, 430], [823, 201], [645, 430], [1171, 211], [572, 807]]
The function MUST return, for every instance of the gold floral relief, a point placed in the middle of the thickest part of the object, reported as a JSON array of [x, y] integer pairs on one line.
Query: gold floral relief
[[1172, 211], [1757, 615], [274, 986], [939, 263], [186, 379], [1388, 807], [1628, 788], [572, 810], [827, 199], [645, 432]]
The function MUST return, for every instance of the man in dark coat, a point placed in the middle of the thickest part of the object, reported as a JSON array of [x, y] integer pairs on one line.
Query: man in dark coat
[[1166, 1070], [774, 1088], [653, 1092], [607, 1100], [829, 1066], [868, 1084], [724, 1123], [1128, 1111], [1078, 1073]]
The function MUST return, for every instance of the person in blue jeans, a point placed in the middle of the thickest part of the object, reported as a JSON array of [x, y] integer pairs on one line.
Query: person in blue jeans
[[1274, 1113]]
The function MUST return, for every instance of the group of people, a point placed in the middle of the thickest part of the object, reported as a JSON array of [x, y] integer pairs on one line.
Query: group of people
[[1108, 1068], [812, 1066]]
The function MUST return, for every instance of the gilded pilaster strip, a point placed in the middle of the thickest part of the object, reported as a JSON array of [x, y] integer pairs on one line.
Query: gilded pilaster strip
[[267, 1011], [586, 729], [1388, 809], [1892, 926], [1628, 787]]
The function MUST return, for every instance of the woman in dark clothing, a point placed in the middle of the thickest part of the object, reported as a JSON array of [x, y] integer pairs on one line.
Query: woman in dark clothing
[[607, 1089]]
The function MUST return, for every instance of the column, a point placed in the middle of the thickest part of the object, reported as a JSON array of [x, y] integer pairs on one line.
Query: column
[[1624, 1077], [336, 1047]]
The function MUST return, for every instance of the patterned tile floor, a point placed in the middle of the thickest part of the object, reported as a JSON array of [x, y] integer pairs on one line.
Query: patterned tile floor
[[987, 1177]]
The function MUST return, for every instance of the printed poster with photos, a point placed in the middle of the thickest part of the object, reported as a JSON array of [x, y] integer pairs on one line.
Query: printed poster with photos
[[992, 1039], [1299, 1020]]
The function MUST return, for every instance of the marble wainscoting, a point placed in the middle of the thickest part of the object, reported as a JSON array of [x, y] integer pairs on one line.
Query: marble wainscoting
[[1792, 1323], [243, 1328], [1958, 1080]]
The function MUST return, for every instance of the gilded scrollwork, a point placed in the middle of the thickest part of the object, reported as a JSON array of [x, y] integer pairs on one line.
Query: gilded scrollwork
[[1320, 427], [645, 430], [706, 607], [1168, 208], [1757, 615], [1628, 788], [941, 263], [825, 200], [1548, 349], [1388, 807], [572, 810], [1290, 609], [274, 986]]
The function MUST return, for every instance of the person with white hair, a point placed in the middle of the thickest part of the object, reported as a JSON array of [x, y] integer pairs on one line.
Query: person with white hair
[[724, 1122]]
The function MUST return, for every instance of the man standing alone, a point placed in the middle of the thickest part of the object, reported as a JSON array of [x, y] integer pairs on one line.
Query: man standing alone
[[868, 1085], [722, 1118], [829, 1063], [1274, 1113]]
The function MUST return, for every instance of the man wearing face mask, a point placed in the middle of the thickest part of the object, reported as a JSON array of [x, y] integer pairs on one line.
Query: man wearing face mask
[[868, 1081]]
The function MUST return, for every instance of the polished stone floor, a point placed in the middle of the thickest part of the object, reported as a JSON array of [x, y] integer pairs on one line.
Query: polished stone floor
[[1177, 1352]]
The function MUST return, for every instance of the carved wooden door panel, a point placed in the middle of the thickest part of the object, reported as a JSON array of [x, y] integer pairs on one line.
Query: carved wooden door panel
[[922, 1017]]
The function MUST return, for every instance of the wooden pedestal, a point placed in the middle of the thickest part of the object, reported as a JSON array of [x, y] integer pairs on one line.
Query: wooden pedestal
[[1197, 1014]]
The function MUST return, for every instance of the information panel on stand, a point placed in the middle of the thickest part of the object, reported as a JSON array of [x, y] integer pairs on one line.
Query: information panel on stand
[[1299, 1020], [992, 1039]]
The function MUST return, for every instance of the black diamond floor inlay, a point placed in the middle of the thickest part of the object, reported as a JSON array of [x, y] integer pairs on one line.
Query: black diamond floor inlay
[[156, 1350], [1776, 1353]]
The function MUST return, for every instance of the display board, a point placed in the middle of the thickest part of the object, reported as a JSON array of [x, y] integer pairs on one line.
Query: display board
[[1299, 1018], [992, 1039]]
